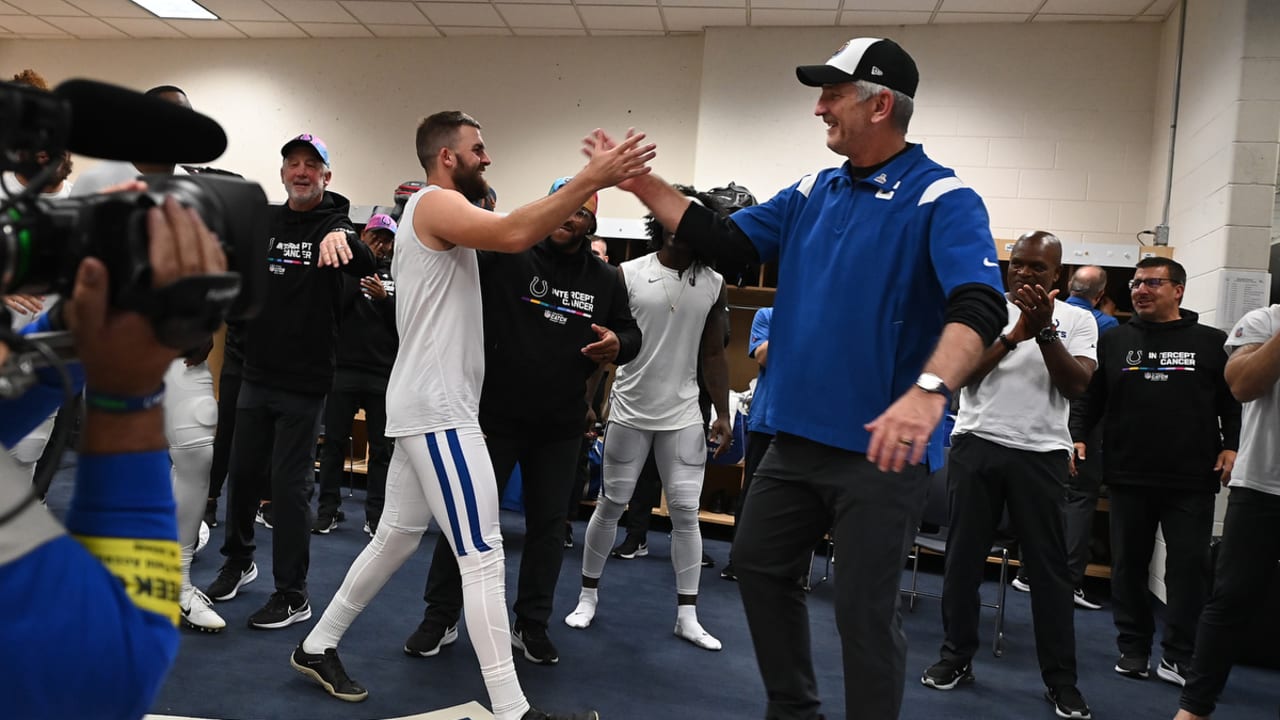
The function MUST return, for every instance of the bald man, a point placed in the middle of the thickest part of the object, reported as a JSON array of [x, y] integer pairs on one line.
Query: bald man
[[1010, 450]]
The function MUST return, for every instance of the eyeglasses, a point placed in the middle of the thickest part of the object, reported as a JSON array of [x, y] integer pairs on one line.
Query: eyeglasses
[[1151, 283]]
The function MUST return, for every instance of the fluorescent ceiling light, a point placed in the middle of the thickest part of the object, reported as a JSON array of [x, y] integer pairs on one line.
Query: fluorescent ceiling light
[[176, 9]]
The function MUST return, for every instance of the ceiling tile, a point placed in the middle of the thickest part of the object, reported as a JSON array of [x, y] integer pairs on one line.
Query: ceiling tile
[[242, 10], [979, 17], [796, 4], [47, 8], [7, 9], [1052, 17], [991, 6], [1161, 8], [112, 9], [872, 17], [315, 11], [627, 33], [258, 29], [27, 25], [545, 32], [532, 2], [463, 14], [206, 29], [699, 18], [621, 18], [390, 31], [637, 3], [143, 28], [87, 28], [917, 5], [704, 3], [473, 31], [540, 16], [791, 18], [385, 12], [1094, 7], [335, 30]]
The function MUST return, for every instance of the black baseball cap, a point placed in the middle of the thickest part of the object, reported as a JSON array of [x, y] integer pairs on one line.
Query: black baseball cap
[[876, 60]]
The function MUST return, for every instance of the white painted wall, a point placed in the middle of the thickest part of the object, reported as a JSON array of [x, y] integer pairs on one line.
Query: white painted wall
[[535, 97], [1051, 122]]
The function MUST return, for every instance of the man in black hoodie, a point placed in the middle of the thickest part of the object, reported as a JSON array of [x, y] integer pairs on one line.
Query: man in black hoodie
[[366, 351], [288, 367], [1171, 433], [553, 314]]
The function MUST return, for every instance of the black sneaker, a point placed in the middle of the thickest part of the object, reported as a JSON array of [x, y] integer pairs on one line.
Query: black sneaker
[[537, 647], [1083, 601], [1021, 584], [707, 561], [1172, 672], [265, 516], [229, 581], [211, 512], [1068, 702], [631, 548], [536, 714], [430, 636], [370, 527], [728, 572], [568, 536], [1134, 666], [947, 674], [325, 522], [282, 610], [326, 669]]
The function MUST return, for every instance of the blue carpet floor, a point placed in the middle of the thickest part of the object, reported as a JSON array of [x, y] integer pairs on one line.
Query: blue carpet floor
[[627, 665]]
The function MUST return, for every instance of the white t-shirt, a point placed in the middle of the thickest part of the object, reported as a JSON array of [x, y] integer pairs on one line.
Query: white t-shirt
[[11, 182], [1016, 404], [439, 369], [108, 173], [658, 390], [19, 319], [1258, 461]]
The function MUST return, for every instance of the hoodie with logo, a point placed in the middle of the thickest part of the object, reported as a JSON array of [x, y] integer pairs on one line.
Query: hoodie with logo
[[291, 345], [539, 306], [1168, 410]]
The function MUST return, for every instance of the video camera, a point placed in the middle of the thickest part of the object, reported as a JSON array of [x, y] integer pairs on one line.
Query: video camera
[[43, 241]]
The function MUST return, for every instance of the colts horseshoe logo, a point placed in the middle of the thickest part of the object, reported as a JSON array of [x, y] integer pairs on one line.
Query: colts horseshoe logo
[[537, 287], [1133, 357]]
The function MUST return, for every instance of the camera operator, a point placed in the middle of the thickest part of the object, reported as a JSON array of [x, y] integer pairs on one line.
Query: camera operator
[[94, 606]]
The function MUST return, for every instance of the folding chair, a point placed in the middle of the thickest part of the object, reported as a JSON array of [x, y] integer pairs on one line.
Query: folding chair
[[936, 514]]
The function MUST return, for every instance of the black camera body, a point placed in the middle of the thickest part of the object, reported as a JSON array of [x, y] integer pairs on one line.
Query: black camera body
[[43, 241]]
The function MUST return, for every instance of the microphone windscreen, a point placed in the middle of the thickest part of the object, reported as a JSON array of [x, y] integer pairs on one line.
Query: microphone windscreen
[[114, 123]]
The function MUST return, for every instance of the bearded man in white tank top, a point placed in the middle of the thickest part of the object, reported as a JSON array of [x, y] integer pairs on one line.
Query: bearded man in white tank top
[[440, 468], [680, 305]]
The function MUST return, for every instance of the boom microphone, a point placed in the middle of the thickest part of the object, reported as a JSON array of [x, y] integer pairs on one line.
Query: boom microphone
[[113, 123]]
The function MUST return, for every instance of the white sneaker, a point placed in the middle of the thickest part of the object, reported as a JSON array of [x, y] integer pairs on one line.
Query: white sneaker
[[582, 615], [197, 612], [1020, 584], [696, 634]]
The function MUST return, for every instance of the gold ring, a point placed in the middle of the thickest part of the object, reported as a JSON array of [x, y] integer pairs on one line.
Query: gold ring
[[907, 441]]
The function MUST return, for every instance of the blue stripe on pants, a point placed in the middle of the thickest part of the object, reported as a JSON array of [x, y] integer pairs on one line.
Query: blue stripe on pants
[[468, 490], [443, 477]]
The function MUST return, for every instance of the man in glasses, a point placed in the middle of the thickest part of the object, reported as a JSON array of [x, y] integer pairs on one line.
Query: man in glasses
[[1171, 431]]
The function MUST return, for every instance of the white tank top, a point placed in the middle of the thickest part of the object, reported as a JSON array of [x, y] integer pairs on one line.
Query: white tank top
[[435, 382], [659, 389]]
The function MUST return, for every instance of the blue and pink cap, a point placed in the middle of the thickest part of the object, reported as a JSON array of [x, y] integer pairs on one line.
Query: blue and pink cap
[[381, 221], [311, 141]]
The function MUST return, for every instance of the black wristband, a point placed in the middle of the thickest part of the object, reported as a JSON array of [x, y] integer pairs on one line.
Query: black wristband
[[1008, 344]]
